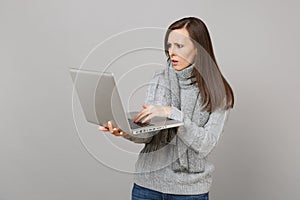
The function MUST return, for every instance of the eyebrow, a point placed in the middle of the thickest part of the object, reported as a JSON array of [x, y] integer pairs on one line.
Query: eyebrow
[[175, 43]]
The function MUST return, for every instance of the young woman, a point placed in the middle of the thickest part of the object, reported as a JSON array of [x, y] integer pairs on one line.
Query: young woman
[[173, 163]]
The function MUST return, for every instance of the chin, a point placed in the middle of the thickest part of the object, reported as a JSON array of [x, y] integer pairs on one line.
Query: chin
[[178, 68]]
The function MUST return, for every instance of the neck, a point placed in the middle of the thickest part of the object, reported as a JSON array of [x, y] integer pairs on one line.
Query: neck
[[186, 72], [185, 77]]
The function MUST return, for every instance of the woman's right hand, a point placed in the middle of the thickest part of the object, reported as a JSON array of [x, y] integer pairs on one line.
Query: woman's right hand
[[112, 130]]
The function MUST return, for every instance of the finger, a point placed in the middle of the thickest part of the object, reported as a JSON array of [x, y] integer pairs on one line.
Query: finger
[[122, 133], [102, 128], [143, 115], [141, 112], [138, 115], [144, 105], [148, 118], [115, 131], [118, 132], [110, 126]]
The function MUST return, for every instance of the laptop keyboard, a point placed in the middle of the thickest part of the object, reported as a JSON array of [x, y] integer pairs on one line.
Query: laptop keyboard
[[134, 125]]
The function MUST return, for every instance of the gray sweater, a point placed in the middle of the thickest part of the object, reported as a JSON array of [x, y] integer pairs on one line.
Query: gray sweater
[[153, 170]]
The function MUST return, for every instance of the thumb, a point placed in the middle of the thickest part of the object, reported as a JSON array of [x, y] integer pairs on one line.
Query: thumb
[[144, 105]]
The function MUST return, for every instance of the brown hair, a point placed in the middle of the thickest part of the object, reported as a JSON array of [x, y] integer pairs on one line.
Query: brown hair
[[212, 85]]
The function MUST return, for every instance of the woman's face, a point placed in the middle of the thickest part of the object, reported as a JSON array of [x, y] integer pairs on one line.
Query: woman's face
[[182, 51]]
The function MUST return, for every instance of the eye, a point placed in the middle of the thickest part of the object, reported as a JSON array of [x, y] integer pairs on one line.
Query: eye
[[168, 45], [179, 45]]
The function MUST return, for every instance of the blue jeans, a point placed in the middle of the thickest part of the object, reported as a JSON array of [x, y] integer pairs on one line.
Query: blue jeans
[[141, 193]]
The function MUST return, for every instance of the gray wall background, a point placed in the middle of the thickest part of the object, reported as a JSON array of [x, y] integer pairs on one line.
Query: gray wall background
[[256, 44]]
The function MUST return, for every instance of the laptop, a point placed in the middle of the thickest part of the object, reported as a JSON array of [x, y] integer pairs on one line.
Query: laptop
[[100, 100]]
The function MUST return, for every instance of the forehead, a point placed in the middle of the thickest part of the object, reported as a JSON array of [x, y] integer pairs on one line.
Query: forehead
[[179, 35]]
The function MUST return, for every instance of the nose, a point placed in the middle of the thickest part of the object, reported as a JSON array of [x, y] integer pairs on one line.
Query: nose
[[171, 51]]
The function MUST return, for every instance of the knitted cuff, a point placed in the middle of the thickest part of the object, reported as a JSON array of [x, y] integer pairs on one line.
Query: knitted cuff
[[176, 114]]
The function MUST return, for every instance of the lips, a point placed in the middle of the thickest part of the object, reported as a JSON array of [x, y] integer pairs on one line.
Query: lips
[[174, 62]]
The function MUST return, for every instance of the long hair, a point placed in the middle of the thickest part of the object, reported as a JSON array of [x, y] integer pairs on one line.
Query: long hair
[[214, 89]]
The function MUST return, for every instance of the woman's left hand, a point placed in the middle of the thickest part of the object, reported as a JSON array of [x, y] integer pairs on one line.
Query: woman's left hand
[[151, 111]]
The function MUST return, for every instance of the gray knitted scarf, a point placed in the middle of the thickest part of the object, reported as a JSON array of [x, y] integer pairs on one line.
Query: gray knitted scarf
[[184, 159]]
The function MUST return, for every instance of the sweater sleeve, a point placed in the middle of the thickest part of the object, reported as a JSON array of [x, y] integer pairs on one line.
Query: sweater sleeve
[[176, 114], [203, 139], [150, 99]]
